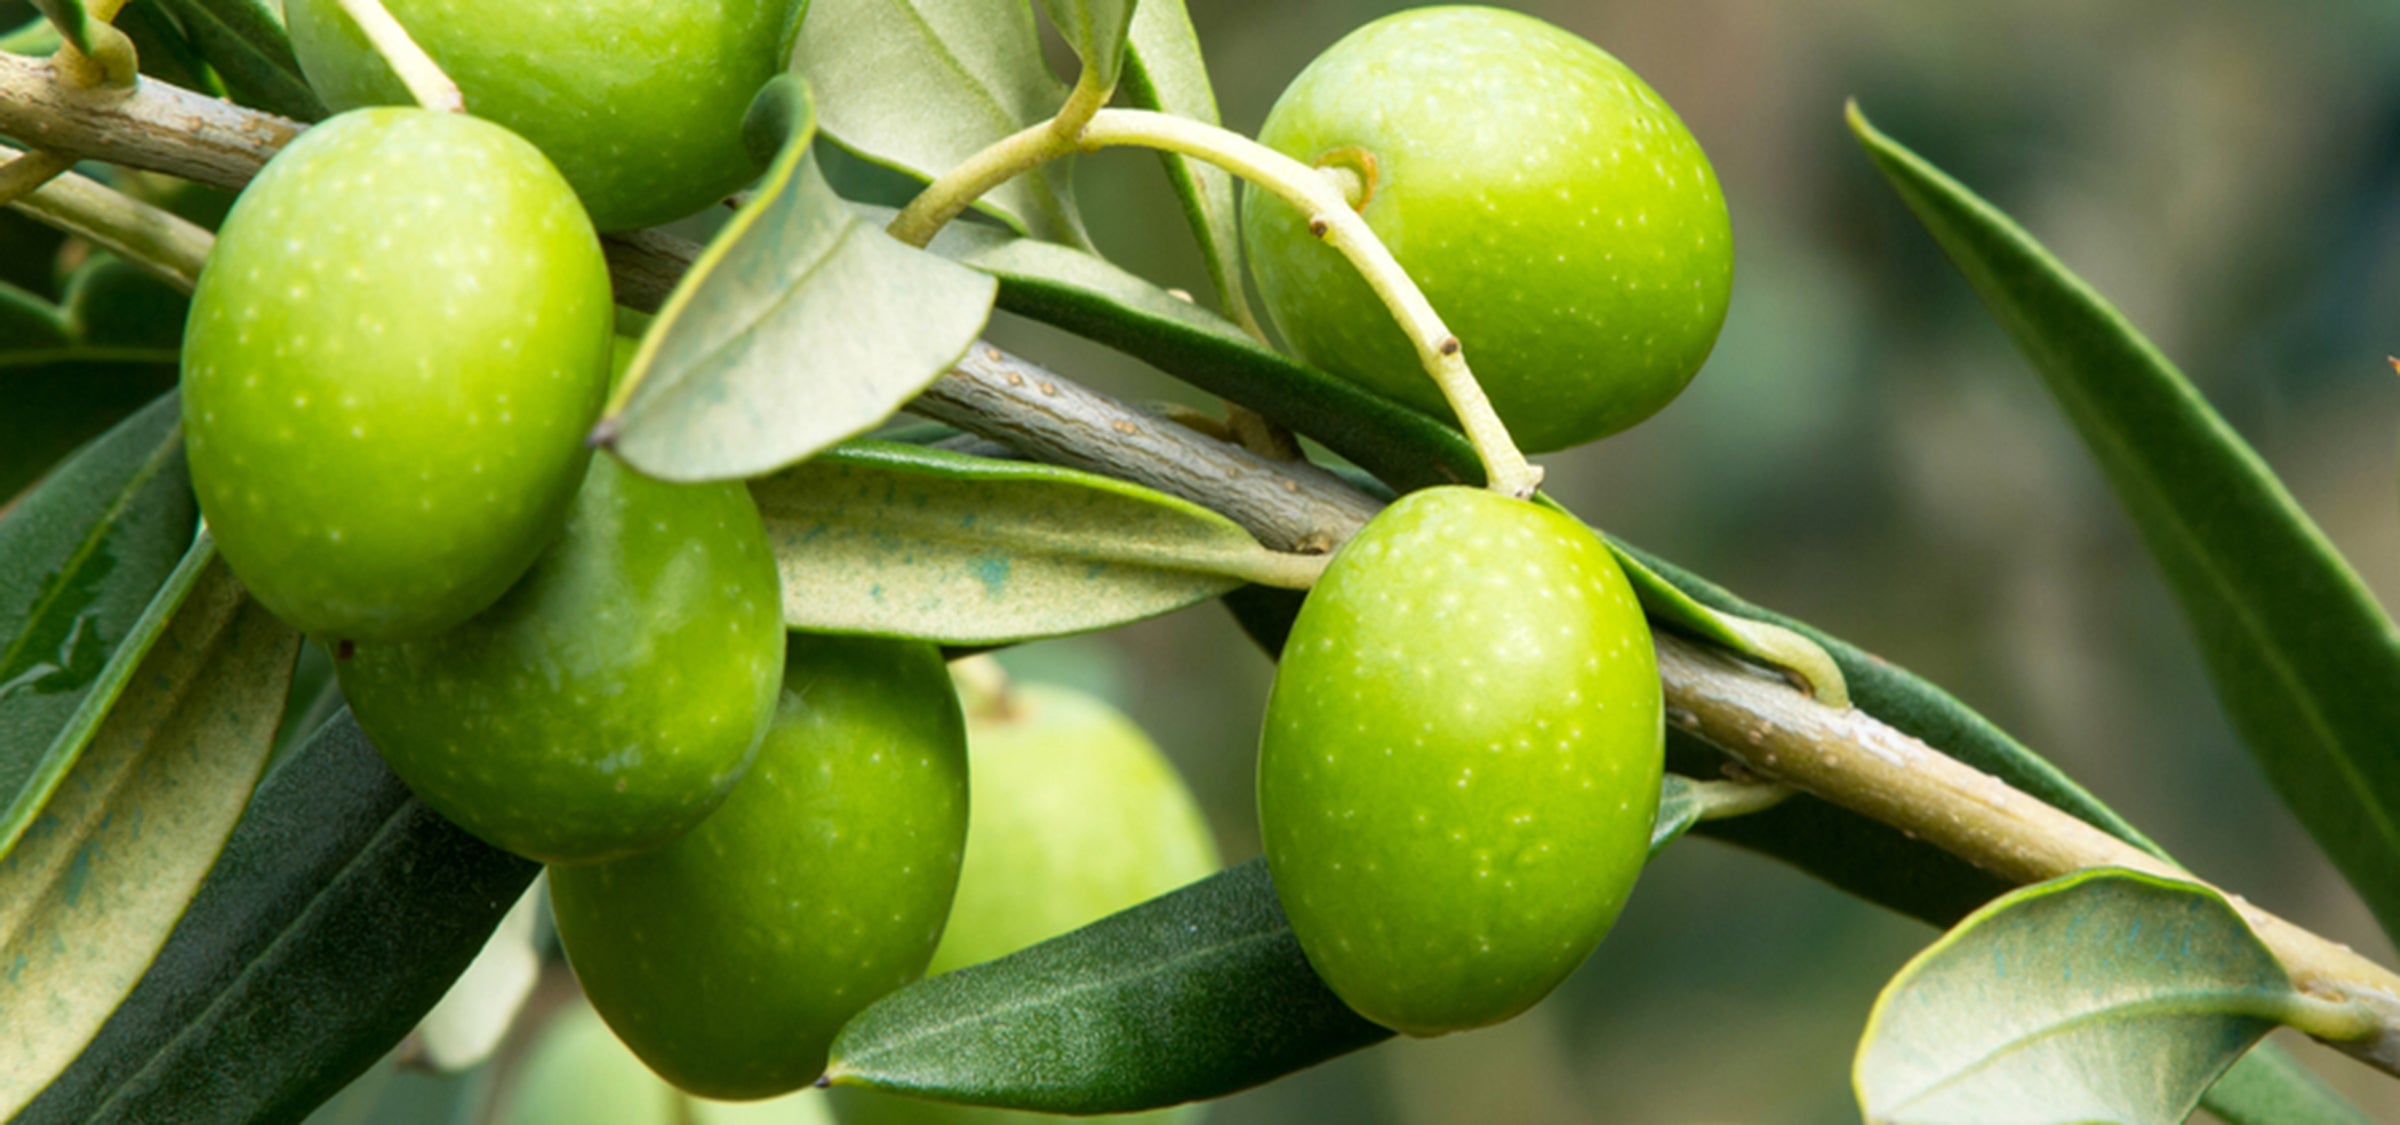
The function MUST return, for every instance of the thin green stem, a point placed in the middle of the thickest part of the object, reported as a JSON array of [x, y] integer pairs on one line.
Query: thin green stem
[[424, 78], [2332, 1020], [1723, 800], [28, 171], [1014, 155], [157, 240], [1331, 218]]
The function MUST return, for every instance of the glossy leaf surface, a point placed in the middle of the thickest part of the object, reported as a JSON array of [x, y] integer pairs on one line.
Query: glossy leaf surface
[[800, 325], [79, 561], [245, 43], [1194, 994], [2304, 661], [91, 893]]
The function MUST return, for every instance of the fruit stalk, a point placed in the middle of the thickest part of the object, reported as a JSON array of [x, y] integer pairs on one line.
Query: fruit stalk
[[158, 240], [27, 171], [1331, 218], [424, 78], [1844, 756]]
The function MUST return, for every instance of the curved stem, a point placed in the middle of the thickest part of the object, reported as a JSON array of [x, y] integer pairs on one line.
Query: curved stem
[[28, 171], [424, 78], [160, 241], [1014, 155], [1331, 218]]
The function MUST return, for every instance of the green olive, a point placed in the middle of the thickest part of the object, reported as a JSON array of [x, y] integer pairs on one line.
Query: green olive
[[1461, 759], [1076, 816], [611, 699], [728, 958], [640, 104], [1552, 207], [394, 353]]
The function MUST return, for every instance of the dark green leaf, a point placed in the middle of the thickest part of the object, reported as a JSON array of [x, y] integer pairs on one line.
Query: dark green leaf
[[68, 373], [79, 561], [1096, 30], [921, 85], [74, 24], [800, 325], [115, 307], [164, 52], [245, 43], [1194, 994], [898, 540], [30, 324], [2106, 995], [339, 913], [1164, 71], [131, 655], [2304, 661], [91, 893], [48, 409]]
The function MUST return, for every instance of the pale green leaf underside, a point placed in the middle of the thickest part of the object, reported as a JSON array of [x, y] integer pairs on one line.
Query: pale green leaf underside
[[921, 85], [897, 540], [90, 894], [1096, 31], [802, 324], [2103, 996], [2305, 662]]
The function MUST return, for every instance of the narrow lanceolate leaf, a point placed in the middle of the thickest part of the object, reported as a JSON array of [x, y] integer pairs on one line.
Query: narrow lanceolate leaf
[[801, 325], [75, 25], [921, 85], [245, 43], [1095, 30], [341, 910], [90, 894], [2103, 996], [131, 655], [80, 559], [1165, 71], [1194, 994], [2304, 661], [903, 541]]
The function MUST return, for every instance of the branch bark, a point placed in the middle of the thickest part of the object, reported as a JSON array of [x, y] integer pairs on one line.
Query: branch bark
[[1842, 755]]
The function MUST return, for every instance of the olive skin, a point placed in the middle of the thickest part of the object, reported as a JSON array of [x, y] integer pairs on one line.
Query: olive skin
[[728, 958], [393, 355], [612, 698], [639, 104], [1555, 211], [1461, 759], [1077, 815]]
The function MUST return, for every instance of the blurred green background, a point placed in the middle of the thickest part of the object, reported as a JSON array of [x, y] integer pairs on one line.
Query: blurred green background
[[1866, 451]]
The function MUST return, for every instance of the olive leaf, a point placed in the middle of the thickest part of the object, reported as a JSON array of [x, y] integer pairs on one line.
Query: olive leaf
[[1096, 30], [90, 894], [70, 370], [2304, 661], [1164, 71], [341, 909], [1194, 994], [80, 560], [2107, 995], [921, 85], [244, 42], [899, 540], [800, 325]]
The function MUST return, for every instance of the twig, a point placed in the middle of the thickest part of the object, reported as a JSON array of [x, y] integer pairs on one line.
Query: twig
[[1842, 755]]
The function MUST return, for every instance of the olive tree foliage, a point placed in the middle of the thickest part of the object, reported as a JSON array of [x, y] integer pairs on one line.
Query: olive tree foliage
[[202, 857]]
